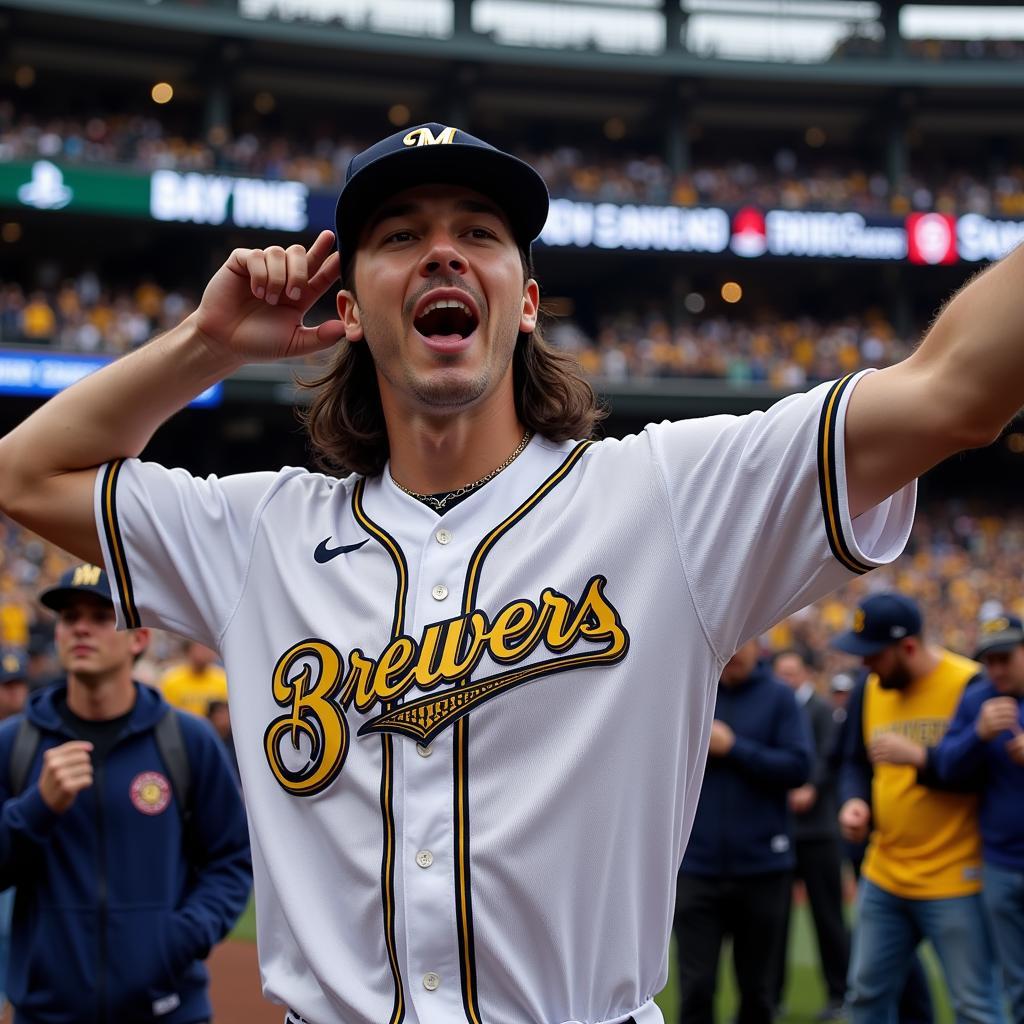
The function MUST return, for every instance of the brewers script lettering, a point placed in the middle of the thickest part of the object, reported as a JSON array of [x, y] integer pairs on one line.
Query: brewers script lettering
[[309, 678]]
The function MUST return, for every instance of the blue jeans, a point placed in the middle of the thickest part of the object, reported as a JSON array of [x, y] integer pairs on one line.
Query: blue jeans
[[886, 935], [1004, 900]]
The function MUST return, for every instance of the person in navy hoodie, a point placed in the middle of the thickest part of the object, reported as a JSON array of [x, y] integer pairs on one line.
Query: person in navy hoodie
[[737, 872], [985, 742], [121, 891]]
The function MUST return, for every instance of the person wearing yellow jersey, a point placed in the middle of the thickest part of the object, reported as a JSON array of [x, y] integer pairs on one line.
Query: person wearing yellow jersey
[[921, 876], [192, 685]]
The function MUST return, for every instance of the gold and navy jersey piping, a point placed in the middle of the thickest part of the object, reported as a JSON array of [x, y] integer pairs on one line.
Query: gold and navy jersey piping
[[463, 880], [112, 531], [828, 481], [387, 772]]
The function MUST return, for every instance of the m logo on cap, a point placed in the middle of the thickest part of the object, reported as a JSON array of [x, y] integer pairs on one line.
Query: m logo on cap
[[11, 663], [86, 576], [995, 626], [858, 621], [425, 137]]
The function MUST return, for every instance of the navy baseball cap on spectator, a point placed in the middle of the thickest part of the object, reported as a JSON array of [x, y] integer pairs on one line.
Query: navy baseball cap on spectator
[[438, 154], [13, 667], [879, 622], [1000, 635], [83, 579]]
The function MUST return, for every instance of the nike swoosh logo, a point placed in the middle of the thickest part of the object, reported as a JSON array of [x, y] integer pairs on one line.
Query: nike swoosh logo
[[324, 554]]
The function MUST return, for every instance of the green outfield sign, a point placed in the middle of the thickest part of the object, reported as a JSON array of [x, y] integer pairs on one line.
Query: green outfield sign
[[45, 185]]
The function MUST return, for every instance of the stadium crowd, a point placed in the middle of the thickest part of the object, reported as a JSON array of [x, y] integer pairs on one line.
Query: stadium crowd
[[82, 315], [319, 159]]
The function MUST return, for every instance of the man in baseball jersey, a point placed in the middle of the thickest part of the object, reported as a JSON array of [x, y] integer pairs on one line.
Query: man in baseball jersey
[[472, 683]]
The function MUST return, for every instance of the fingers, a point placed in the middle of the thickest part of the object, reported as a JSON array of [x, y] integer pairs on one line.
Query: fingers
[[296, 271], [67, 770], [326, 275], [320, 250], [316, 339], [277, 274]]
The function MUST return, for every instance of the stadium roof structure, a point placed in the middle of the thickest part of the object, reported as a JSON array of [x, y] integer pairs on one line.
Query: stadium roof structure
[[198, 25]]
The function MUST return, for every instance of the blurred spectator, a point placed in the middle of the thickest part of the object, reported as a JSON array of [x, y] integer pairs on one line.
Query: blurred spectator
[[816, 839], [921, 876], [199, 680], [220, 718], [121, 889], [737, 873], [986, 742], [80, 316], [13, 691]]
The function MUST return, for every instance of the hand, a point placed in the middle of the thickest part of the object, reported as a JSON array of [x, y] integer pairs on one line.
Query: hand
[[803, 798], [998, 714], [891, 748], [723, 739], [1015, 749], [854, 819], [67, 770], [254, 305]]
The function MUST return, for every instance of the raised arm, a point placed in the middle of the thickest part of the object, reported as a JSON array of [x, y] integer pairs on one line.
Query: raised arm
[[252, 310], [958, 390]]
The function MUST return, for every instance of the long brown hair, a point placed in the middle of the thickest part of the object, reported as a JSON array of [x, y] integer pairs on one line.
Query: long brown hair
[[345, 420]]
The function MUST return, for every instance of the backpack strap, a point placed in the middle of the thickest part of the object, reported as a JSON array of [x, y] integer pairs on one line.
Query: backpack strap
[[171, 744], [23, 752]]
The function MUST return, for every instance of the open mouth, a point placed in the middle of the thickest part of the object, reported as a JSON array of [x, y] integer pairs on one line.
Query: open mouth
[[446, 321]]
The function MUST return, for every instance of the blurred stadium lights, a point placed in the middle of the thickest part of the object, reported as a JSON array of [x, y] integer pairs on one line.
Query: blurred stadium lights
[[422, 18], [961, 21], [162, 92], [732, 292], [618, 28]]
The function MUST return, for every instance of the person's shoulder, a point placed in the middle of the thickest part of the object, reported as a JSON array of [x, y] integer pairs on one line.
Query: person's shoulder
[[958, 669], [9, 728], [978, 691]]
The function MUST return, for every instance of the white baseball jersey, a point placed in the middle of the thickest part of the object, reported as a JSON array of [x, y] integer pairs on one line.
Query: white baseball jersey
[[472, 744]]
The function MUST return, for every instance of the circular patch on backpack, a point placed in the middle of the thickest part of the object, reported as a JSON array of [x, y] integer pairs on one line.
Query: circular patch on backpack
[[150, 792]]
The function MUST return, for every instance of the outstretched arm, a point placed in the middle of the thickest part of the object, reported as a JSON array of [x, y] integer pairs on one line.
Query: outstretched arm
[[958, 390], [252, 310]]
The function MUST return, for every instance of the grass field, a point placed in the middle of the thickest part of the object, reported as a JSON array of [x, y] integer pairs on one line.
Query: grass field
[[805, 993]]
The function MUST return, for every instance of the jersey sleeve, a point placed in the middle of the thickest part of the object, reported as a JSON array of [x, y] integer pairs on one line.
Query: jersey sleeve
[[177, 547], [761, 515]]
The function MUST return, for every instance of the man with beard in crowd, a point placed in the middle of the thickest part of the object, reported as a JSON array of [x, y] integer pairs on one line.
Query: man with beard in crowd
[[921, 876]]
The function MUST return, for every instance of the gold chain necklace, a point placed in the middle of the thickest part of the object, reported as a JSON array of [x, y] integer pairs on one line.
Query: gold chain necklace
[[438, 502]]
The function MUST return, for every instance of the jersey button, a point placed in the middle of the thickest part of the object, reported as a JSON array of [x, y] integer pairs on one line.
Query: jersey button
[[431, 981], [424, 858], [443, 536], [440, 592], [423, 750]]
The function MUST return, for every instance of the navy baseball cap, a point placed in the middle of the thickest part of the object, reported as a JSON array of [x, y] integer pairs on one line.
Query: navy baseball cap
[[83, 579], [1000, 635], [879, 622], [438, 154], [13, 667]]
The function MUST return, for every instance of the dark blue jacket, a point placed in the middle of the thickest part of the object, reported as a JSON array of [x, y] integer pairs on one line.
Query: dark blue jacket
[[117, 908], [743, 825], [962, 757]]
